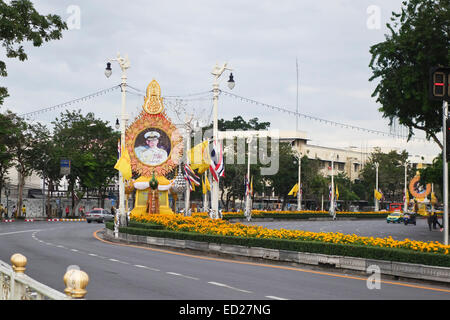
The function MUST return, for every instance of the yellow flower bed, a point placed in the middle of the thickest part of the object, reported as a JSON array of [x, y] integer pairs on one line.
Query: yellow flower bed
[[199, 224]]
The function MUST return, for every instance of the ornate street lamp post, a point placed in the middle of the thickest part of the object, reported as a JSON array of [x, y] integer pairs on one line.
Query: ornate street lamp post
[[124, 64], [217, 72]]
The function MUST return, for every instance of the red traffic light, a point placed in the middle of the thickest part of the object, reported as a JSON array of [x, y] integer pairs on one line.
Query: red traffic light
[[440, 83]]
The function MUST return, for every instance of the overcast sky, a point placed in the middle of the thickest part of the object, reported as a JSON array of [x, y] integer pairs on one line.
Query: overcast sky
[[178, 43]]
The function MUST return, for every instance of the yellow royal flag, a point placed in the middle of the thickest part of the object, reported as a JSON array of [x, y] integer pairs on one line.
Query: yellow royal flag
[[337, 193], [377, 195], [124, 164], [199, 157], [208, 186], [433, 199], [251, 186], [204, 185], [294, 190], [407, 196]]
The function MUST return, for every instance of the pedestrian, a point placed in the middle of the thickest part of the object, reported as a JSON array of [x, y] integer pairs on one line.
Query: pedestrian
[[416, 207], [2, 211], [436, 221], [14, 212], [59, 212], [24, 211], [430, 220], [67, 211]]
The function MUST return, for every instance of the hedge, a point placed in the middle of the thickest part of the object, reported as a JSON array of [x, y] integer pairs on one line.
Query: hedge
[[367, 252]]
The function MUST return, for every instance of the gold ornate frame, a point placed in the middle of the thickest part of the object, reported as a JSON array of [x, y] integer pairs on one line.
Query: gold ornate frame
[[154, 116]]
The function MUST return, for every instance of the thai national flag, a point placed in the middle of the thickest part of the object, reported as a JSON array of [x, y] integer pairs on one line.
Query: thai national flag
[[217, 167], [247, 186], [191, 177], [331, 191]]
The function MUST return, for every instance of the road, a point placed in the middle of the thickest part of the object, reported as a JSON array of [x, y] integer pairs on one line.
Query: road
[[131, 272], [367, 228]]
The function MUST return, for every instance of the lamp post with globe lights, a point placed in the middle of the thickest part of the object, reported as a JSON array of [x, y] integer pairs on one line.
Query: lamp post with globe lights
[[124, 64], [217, 72]]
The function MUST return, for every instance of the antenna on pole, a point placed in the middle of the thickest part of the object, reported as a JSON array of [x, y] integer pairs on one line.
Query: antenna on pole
[[296, 118]]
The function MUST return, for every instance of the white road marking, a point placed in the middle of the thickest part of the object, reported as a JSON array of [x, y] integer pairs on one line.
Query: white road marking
[[15, 232], [275, 298], [145, 267], [182, 275], [93, 254], [227, 286], [74, 250]]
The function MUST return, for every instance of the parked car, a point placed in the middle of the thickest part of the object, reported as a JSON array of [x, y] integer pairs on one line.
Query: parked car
[[99, 214], [395, 217]]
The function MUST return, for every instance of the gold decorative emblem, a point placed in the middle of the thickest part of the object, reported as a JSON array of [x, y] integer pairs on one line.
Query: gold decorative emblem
[[416, 189], [153, 103]]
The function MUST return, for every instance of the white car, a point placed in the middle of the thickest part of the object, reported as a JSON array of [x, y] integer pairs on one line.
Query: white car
[[100, 215]]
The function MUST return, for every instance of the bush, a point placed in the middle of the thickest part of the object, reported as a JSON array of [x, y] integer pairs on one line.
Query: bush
[[368, 252]]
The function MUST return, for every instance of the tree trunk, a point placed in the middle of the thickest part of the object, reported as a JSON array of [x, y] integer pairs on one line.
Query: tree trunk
[[20, 193]]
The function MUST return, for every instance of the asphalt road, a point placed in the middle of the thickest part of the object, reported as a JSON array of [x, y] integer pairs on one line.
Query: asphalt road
[[130, 272], [367, 228]]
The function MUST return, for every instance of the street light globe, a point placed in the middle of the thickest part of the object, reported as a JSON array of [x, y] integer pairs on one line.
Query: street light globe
[[231, 82], [117, 124], [108, 70]]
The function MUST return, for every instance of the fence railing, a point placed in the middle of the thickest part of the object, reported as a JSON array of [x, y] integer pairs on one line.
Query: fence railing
[[16, 285]]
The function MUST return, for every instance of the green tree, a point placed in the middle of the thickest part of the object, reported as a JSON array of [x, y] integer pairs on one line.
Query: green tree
[[345, 188], [7, 133], [26, 141], [91, 146], [419, 39], [391, 174], [19, 23], [287, 175], [434, 174]]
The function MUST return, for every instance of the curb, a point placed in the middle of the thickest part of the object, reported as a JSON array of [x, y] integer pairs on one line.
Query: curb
[[65, 220], [391, 268], [8, 220]]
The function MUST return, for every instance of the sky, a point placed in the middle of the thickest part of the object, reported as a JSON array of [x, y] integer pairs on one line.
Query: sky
[[178, 43]]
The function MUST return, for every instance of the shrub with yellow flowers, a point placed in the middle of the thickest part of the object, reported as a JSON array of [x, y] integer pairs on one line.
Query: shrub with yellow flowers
[[198, 223]]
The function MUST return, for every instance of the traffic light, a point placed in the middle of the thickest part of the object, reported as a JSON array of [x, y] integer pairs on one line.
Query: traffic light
[[440, 83], [447, 139]]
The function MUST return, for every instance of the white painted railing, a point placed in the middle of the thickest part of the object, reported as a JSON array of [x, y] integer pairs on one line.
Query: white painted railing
[[16, 285]]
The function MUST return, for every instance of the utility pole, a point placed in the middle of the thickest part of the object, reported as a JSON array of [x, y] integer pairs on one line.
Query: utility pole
[[376, 186], [445, 165]]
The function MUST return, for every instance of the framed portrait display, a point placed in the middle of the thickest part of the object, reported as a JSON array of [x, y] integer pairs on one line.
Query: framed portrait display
[[152, 146]]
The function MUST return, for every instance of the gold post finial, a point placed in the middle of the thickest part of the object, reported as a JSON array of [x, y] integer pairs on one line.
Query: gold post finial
[[19, 262], [78, 281]]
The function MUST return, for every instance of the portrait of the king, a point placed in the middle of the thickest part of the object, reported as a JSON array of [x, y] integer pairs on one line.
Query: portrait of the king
[[152, 147]]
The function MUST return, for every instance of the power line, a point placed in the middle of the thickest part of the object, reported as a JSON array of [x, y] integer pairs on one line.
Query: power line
[[61, 105], [333, 123], [174, 96]]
